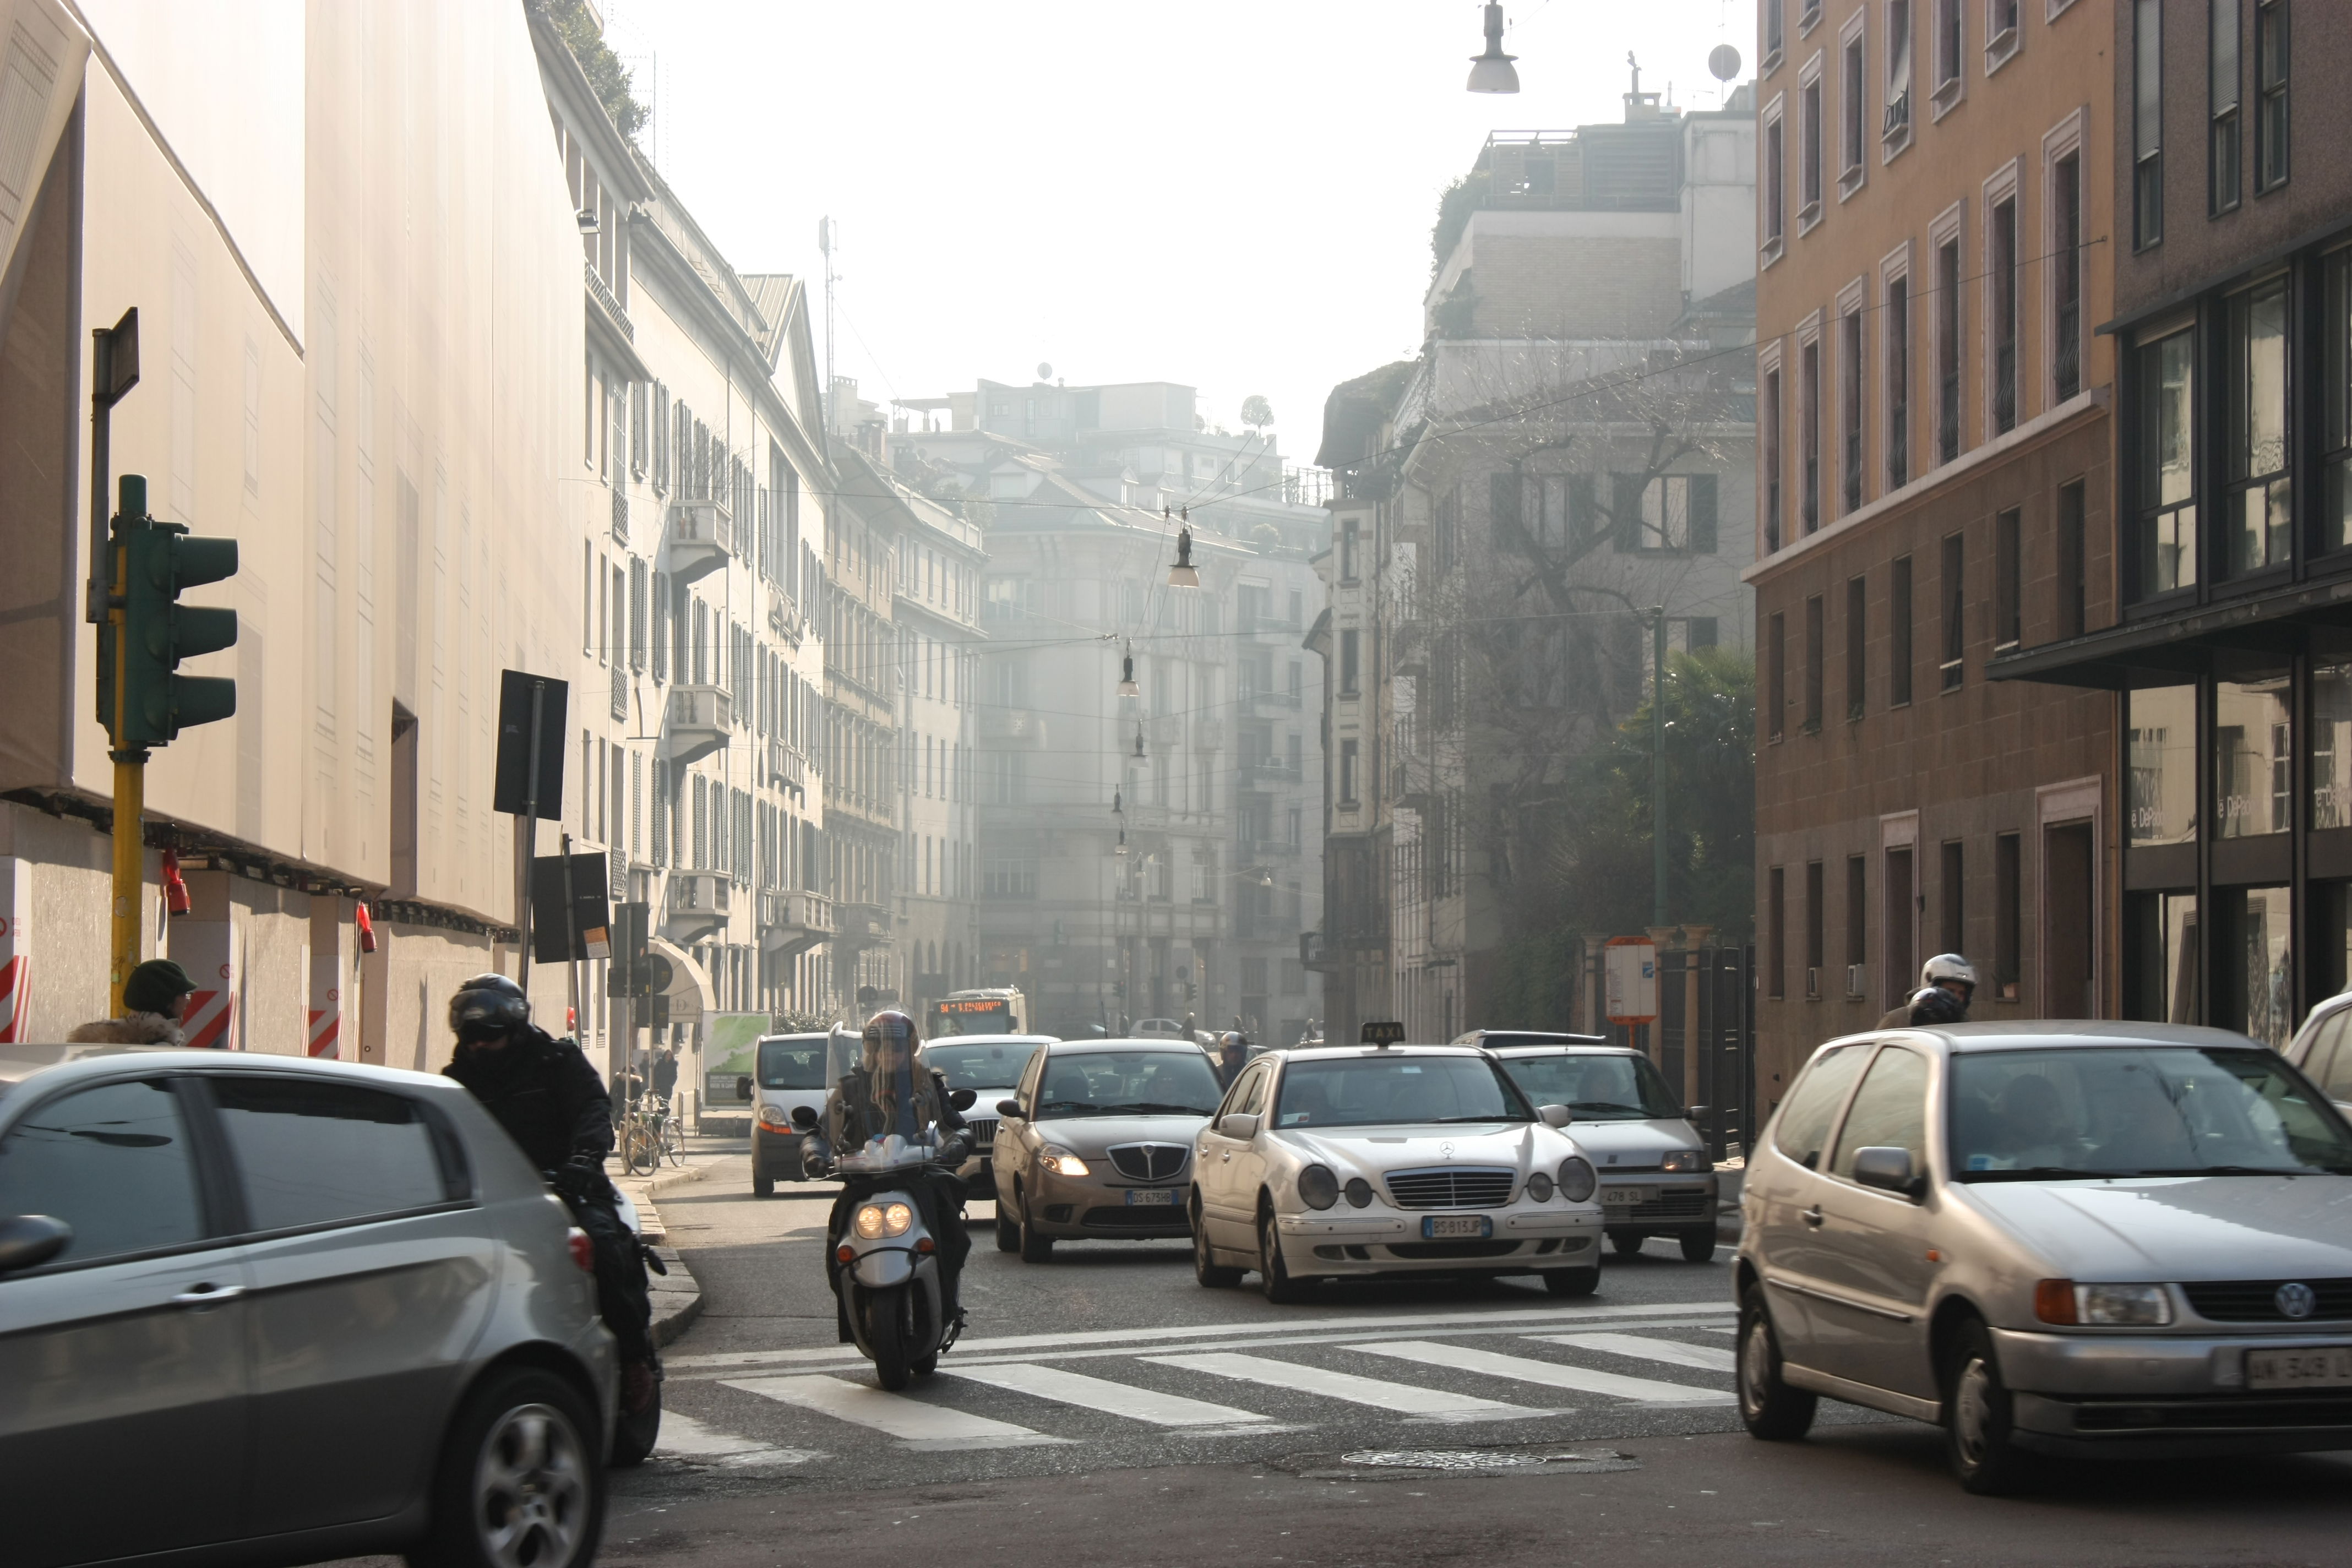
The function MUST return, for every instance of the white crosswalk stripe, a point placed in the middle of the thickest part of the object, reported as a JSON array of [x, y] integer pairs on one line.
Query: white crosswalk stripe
[[684, 1437], [914, 1423], [1147, 1404], [1550, 1374], [1404, 1399], [1706, 1358]]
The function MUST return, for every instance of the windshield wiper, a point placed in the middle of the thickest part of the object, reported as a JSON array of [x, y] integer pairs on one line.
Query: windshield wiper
[[1065, 1107], [1155, 1107], [1605, 1105], [2220, 1171], [1497, 1116], [2033, 1174]]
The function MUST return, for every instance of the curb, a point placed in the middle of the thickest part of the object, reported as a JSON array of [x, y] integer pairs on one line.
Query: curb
[[677, 1298]]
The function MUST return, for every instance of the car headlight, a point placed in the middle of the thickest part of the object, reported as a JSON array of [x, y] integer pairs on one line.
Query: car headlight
[[2102, 1306], [1317, 1187], [1359, 1192], [776, 1117], [1683, 1160], [1539, 1187], [1061, 1162], [1575, 1179]]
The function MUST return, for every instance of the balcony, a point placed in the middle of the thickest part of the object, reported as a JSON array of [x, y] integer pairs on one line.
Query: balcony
[[699, 903], [619, 515], [1312, 955], [1255, 702], [793, 921], [862, 925], [602, 292], [1268, 772], [700, 720], [784, 620], [1017, 726], [787, 769], [700, 538]]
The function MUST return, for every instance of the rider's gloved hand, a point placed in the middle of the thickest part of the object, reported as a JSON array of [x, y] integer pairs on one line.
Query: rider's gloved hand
[[581, 1178]]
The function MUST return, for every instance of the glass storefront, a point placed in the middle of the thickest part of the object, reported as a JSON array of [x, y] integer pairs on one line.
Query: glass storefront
[[2168, 522], [2252, 756], [2331, 745], [2163, 960], [2254, 990], [2161, 766]]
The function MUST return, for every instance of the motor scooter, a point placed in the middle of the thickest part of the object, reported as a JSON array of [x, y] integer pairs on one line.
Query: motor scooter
[[886, 1259]]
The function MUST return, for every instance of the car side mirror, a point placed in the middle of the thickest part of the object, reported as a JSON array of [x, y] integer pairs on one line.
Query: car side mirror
[[1887, 1169], [1698, 1112], [29, 1240], [1009, 1108], [743, 1089], [1555, 1115], [804, 1117], [962, 1098], [1240, 1124]]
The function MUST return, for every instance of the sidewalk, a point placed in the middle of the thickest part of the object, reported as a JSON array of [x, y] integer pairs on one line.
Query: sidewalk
[[677, 1297]]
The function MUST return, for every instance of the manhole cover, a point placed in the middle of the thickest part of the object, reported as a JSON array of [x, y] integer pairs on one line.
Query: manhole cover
[[1396, 1464]]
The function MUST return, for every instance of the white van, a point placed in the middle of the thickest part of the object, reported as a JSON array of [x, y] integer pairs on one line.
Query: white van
[[791, 1071]]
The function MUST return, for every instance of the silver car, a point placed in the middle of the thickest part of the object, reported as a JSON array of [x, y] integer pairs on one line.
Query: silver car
[[2321, 1050], [2074, 1238], [1096, 1141], [1656, 1176], [257, 1307]]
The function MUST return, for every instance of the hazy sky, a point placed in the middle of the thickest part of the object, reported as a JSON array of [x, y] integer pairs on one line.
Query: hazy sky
[[1234, 193]]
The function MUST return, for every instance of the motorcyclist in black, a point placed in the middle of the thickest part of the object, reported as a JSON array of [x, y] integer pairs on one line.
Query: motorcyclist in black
[[549, 1099], [891, 1092]]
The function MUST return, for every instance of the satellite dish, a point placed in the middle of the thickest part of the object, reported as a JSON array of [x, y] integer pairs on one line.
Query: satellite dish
[[1045, 370], [1723, 61]]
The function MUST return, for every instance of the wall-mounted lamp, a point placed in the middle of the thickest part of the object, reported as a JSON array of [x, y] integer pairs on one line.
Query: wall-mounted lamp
[[588, 221]]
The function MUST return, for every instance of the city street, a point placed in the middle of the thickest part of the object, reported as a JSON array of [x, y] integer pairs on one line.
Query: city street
[[1199, 1424]]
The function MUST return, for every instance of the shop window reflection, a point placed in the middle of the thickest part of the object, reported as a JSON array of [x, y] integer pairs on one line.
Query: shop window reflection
[[2252, 939], [2160, 746], [2331, 745], [2253, 748], [2160, 978]]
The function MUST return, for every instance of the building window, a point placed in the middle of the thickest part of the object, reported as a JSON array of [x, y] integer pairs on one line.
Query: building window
[[1854, 90], [1948, 351], [1809, 431], [1776, 676], [1850, 406], [2256, 510], [1350, 642], [1776, 934], [1772, 435], [2226, 128], [2166, 550], [1816, 929], [2007, 913], [1857, 645], [1814, 654], [2073, 583], [2148, 122], [2271, 52], [2253, 753], [1950, 589], [2007, 580], [2066, 276], [2334, 531], [1898, 634], [1775, 34], [1347, 772], [1947, 48], [1895, 128], [1857, 923], [1952, 894], [1809, 155], [1348, 537], [1898, 382], [1775, 186], [2160, 766], [2330, 750], [2000, 234]]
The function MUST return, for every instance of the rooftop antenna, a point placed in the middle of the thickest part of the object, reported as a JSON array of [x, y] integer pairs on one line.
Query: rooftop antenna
[[828, 237]]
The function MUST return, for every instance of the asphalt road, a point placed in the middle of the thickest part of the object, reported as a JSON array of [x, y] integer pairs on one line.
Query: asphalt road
[[1104, 1407]]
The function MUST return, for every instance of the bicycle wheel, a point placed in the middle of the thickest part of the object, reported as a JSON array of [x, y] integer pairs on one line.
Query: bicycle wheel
[[673, 1141], [639, 1150]]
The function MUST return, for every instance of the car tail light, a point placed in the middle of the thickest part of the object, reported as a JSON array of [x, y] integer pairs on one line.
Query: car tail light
[[2053, 1301], [583, 1252]]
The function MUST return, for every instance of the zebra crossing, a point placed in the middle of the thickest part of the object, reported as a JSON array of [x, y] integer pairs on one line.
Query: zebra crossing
[[1233, 1381]]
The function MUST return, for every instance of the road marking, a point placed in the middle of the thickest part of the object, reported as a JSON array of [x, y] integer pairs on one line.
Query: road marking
[[1100, 1393], [1550, 1374], [969, 1346], [1706, 1358], [684, 1437], [1435, 1404], [916, 1424]]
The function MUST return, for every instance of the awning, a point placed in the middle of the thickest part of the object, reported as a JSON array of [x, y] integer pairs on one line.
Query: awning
[[691, 999], [2254, 633]]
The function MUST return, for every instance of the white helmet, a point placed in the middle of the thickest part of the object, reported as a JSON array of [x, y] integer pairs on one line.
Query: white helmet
[[1947, 966]]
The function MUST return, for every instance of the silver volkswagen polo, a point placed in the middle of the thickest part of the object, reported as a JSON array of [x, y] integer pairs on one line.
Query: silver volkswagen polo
[[2074, 1238]]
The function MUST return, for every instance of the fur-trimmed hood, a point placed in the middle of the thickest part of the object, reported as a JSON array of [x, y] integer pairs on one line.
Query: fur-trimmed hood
[[130, 1029]]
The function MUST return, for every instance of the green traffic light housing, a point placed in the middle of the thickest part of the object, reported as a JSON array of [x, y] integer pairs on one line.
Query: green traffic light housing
[[148, 631]]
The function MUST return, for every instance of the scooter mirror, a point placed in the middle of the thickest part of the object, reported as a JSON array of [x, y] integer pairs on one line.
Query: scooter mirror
[[962, 1098], [804, 1117]]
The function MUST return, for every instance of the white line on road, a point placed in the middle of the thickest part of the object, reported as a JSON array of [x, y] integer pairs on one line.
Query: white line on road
[[1100, 1393], [1550, 1374], [684, 1437], [1400, 1397], [913, 1423], [1706, 1358]]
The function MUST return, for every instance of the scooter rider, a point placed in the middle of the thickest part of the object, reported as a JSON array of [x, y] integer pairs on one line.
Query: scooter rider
[[551, 1101], [890, 1093], [1948, 972]]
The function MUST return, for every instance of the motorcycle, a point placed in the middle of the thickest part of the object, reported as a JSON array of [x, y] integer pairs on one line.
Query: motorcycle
[[890, 1292], [634, 1433]]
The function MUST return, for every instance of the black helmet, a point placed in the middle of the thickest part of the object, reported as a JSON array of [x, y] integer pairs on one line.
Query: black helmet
[[487, 1004], [1933, 1005]]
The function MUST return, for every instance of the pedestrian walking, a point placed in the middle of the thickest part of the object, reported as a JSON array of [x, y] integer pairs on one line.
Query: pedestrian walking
[[154, 1002]]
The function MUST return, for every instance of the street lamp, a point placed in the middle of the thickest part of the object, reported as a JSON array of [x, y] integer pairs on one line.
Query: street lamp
[[1126, 687], [1139, 742], [1492, 72], [1181, 574]]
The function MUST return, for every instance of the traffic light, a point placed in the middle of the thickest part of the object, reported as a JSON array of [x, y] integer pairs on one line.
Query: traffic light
[[148, 631], [629, 974]]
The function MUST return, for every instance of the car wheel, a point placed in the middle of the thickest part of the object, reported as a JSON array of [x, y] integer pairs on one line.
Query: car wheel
[[1212, 1274], [1698, 1244], [1035, 1247], [1977, 1418], [1572, 1281], [517, 1485], [1008, 1229], [1768, 1408], [764, 1184], [1626, 1242], [1274, 1277]]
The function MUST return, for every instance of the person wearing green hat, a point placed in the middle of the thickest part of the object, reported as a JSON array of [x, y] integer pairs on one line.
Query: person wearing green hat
[[154, 999]]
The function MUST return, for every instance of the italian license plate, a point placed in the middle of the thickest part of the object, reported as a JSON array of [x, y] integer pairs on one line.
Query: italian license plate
[[2316, 1366], [1626, 1198], [1449, 1227], [1150, 1198]]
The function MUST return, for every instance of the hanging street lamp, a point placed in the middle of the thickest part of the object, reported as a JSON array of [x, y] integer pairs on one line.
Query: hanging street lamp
[[1492, 71]]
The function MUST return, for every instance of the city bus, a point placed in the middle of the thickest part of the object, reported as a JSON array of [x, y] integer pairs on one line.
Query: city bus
[[996, 1010]]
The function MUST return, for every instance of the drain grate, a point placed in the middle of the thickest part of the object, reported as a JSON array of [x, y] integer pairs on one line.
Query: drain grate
[[1398, 1464]]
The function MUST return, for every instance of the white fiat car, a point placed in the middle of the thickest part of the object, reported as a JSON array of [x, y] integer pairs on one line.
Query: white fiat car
[[1371, 1160]]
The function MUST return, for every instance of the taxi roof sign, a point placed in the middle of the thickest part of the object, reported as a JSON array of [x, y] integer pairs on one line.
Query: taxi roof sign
[[1383, 1033]]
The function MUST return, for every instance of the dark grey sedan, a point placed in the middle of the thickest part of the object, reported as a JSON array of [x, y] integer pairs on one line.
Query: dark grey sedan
[[260, 1309]]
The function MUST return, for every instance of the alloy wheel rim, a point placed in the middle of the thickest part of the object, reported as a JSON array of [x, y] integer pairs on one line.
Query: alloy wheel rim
[[530, 1490], [1972, 1409], [1755, 1365]]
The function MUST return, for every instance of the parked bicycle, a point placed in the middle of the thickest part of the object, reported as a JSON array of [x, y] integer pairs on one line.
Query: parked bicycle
[[650, 1133]]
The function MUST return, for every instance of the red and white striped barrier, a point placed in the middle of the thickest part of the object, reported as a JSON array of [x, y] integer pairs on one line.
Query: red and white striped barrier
[[15, 949], [326, 1006], [207, 950]]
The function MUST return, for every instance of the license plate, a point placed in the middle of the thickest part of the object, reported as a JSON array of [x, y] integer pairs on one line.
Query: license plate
[[1626, 1198], [1447, 1227], [1150, 1197], [2318, 1366]]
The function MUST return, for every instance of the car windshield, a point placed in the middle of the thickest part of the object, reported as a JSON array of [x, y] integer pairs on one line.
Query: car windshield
[[792, 1063], [996, 1065], [1128, 1083], [1371, 1091], [1597, 1087], [2151, 1111]]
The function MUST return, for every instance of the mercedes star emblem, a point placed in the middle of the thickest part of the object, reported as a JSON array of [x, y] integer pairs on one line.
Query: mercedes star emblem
[[2296, 1300]]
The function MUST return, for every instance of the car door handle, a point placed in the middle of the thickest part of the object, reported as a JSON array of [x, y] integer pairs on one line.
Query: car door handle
[[1226, 1154], [202, 1296], [1812, 1217]]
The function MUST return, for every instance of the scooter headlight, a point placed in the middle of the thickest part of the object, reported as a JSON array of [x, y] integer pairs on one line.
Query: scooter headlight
[[875, 1221], [896, 1219]]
